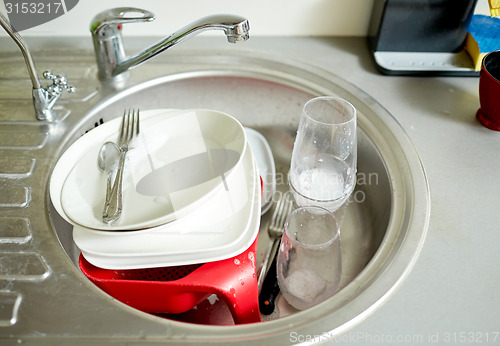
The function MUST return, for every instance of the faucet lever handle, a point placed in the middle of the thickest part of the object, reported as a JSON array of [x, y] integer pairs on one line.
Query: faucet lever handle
[[113, 17], [59, 84]]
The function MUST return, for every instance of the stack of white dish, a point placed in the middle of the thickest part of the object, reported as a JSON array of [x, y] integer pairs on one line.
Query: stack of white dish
[[191, 192]]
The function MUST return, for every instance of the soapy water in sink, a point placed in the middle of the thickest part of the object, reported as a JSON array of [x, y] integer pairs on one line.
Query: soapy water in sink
[[305, 286], [321, 184], [324, 183]]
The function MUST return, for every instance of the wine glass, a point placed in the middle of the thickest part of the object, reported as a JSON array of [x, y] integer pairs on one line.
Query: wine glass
[[324, 157]]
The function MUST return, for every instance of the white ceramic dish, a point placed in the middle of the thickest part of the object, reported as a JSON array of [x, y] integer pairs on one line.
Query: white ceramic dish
[[159, 247], [73, 154], [171, 143], [265, 163]]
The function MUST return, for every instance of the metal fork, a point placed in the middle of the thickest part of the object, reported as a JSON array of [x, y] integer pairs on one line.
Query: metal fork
[[283, 208], [129, 129]]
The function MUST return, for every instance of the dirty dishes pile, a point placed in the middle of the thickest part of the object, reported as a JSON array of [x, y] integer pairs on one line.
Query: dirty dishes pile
[[191, 204]]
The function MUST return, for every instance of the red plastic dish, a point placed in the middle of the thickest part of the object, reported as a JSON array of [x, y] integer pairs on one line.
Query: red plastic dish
[[173, 290]]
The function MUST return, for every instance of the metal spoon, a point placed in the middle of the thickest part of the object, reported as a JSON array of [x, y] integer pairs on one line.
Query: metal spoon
[[107, 161]]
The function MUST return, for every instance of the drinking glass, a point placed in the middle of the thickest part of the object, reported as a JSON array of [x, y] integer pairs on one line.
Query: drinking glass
[[324, 156], [309, 261]]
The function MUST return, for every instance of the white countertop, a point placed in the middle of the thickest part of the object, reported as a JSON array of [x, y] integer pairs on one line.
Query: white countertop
[[452, 292]]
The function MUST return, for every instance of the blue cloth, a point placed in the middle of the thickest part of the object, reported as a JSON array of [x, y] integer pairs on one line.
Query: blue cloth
[[486, 32]]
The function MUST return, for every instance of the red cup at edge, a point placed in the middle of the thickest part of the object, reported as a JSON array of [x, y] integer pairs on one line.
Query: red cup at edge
[[489, 91]]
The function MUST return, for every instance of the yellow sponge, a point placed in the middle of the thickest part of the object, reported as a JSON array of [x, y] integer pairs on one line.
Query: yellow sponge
[[483, 37], [472, 47], [494, 7]]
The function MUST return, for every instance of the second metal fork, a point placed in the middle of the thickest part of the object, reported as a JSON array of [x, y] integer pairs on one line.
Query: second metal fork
[[283, 208], [129, 129]]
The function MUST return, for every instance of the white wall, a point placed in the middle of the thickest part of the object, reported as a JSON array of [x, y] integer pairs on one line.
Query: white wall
[[267, 17]]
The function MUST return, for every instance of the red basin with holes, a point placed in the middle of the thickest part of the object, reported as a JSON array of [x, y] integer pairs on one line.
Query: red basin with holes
[[174, 290]]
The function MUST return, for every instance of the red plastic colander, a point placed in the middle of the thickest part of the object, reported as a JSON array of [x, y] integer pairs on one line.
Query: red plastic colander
[[174, 290]]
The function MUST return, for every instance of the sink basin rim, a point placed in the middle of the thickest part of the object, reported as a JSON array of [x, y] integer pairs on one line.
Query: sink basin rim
[[378, 278]]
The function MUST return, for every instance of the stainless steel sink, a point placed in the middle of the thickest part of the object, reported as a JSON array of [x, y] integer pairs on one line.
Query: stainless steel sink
[[47, 298]]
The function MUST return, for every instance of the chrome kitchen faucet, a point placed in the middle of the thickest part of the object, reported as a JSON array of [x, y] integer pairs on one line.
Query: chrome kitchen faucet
[[108, 42]]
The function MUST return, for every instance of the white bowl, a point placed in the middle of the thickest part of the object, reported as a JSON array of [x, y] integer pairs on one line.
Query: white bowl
[[182, 159]]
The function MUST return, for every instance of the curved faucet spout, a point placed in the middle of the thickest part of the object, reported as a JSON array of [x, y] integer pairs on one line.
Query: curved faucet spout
[[108, 43], [235, 28]]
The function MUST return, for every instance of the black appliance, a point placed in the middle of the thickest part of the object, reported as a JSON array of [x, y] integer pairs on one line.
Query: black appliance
[[421, 37]]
